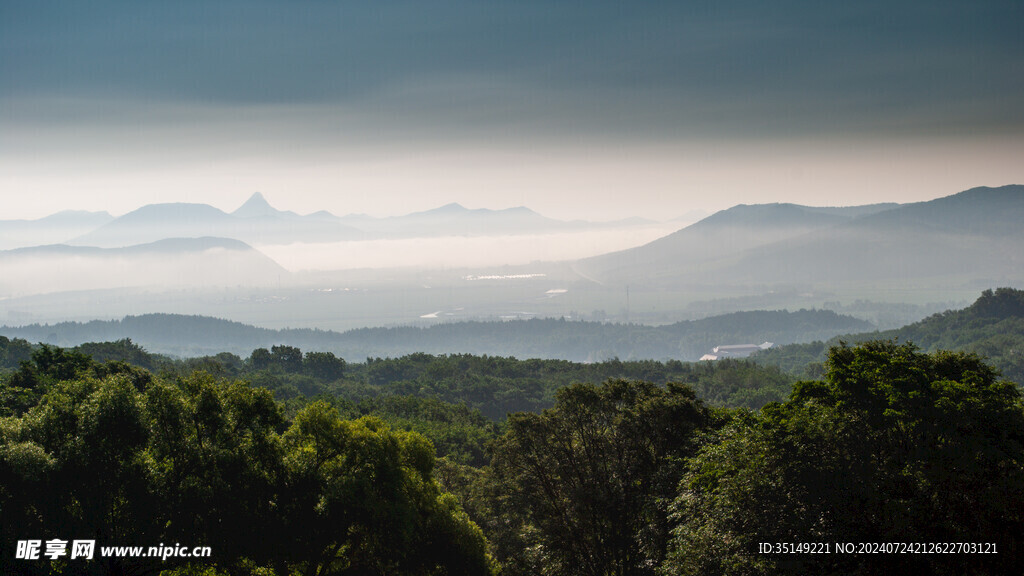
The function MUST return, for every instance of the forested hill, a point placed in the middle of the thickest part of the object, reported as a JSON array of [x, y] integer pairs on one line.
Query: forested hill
[[188, 336], [993, 327]]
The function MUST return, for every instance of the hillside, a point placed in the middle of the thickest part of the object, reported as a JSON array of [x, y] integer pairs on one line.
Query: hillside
[[721, 235], [967, 237], [956, 241], [993, 327]]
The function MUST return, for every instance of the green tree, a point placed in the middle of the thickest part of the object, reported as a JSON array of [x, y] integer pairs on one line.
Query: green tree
[[49, 364], [323, 366], [363, 501], [123, 350], [289, 358], [260, 359], [108, 451], [46, 366], [219, 465], [14, 352], [84, 447], [583, 488], [892, 446]]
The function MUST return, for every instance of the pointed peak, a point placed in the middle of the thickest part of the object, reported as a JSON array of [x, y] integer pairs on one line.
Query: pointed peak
[[256, 205]]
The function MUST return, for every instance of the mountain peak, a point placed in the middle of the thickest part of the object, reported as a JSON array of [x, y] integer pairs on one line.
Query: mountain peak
[[518, 210], [255, 206], [449, 208], [775, 215]]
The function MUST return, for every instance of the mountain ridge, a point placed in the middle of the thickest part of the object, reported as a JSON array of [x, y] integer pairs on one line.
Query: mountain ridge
[[536, 338], [257, 222], [972, 233]]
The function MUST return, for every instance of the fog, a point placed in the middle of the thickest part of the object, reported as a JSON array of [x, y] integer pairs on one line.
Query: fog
[[169, 265], [460, 251], [62, 269]]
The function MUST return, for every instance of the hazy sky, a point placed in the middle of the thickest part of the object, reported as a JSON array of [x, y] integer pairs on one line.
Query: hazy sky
[[593, 109]]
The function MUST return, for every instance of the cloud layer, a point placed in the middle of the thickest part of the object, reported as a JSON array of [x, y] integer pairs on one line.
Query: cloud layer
[[113, 95]]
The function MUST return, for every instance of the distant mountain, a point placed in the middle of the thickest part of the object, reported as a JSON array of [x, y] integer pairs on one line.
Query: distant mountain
[[169, 263], [52, 229], [961, 240], [71, 219], [158, 221], [177, 334], [718, 237], [854, 211], [457, 220], [474, 220], [255, 222], [691, 217], [968, 238], [258, 207], [983, 211], [549, 338]]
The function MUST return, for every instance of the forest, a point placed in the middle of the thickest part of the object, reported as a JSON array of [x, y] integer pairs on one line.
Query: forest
[[300, 463], [993, 326]]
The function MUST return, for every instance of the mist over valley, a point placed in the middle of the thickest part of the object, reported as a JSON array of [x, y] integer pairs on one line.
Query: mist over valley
[[890, 264]]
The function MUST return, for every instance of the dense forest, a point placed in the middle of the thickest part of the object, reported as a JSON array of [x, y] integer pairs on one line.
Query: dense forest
[[492, 385], [993, 326], [300, 463]]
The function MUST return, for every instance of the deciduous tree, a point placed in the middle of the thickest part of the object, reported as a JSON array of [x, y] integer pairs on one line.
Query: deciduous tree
[[893, 446], [584, 487]]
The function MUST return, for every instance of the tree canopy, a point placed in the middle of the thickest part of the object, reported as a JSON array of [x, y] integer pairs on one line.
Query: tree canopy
[[629, 478], [111, 453], [894, 445], [585, 484]]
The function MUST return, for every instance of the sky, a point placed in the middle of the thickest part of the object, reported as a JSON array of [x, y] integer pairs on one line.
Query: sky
[[595, 110]]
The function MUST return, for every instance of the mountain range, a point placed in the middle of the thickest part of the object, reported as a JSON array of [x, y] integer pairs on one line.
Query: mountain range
[[457, 220], [792, 256], [258, 223], [255, 222], [974, 236]]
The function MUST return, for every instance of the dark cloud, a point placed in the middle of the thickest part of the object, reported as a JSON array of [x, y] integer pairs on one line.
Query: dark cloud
[[746, 67]]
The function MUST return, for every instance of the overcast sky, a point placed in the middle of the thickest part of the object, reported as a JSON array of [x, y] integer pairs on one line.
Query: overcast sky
[[593, 109]]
